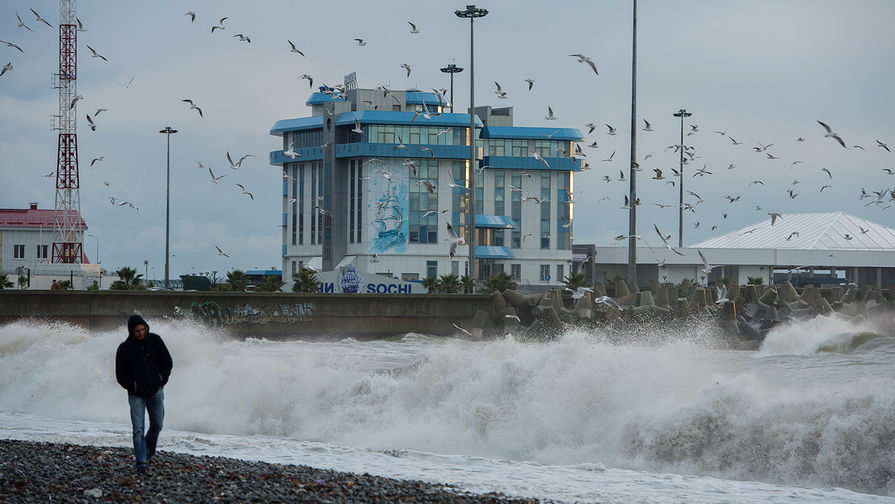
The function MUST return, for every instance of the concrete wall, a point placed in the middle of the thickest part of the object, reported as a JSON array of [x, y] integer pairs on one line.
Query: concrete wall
[[272, 315]]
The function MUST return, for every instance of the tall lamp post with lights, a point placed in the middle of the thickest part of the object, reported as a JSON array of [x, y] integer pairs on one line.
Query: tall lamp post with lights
[[471, 13], [452, 69], [682, 113], [168, 131]]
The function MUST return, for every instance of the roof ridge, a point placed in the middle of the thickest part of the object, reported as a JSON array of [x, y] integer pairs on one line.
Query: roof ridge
[[821, 235]]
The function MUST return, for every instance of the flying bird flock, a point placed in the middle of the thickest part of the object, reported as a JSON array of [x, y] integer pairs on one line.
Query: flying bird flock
[[742, 172]]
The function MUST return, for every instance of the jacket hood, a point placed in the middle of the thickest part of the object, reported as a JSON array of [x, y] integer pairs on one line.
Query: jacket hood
[[133, 322]]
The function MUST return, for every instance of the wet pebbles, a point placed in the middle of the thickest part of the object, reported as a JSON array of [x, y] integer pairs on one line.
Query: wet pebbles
[[47, 472]]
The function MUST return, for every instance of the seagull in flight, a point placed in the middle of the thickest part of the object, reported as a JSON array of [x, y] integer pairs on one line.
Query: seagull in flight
[[550, 116], [100, 159], [707, 268], [774, 217], [360, 42], [884, 146], [500, 92], [7, 67], [192, 16], [405, 66], [831, 134], [213, 178], [357, 129], [21, 24], [10, 44], [537, 155], [647, 127], [91, 123], [584, 59], [579, 292], [294, 49], [244, 191], [221, 252], [530, 81], [238, 164], [413, 28], [193, 106], [665, 241], [96, 54], [612, 130], [243, 38], [220, 25], [291, 151], [309, 78], [40, 19]]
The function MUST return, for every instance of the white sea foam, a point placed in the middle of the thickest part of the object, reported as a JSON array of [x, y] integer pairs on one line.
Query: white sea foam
[[817, 420]]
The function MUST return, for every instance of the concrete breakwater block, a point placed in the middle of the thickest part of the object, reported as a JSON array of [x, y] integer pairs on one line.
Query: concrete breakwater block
[[621, 289], [660, 297], [810, 295], [583, 307], [769, 297], [788, 292], [733, 291], [751, 293], [646, 299]]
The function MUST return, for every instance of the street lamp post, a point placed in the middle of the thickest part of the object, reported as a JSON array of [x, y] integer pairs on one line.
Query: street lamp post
[[452, 69], [471, 13], [100, 282], [168, 131], [682, 113], [632, 215]]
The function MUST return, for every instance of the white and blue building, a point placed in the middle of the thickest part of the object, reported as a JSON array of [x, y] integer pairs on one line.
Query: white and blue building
[[381, 200]]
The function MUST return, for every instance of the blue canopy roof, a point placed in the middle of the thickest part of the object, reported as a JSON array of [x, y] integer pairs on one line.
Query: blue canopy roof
[[524, 132], [489, 252], [494, 222]]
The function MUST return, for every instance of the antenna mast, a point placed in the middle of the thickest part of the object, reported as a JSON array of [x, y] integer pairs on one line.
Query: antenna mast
[[67, 240]]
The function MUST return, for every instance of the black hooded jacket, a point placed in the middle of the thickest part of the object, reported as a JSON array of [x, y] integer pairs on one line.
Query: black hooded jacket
[[142, 366]]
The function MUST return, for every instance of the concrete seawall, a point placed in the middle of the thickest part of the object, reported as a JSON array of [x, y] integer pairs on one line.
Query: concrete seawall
[[272, 315]]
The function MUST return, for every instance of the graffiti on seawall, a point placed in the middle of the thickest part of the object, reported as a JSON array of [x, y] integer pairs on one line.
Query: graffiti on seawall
[[212, 314]]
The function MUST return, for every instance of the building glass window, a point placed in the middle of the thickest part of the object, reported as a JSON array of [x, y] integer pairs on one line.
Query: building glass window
[[545, 210], [300, 203], [516, 271], [544, 148], [545, 272], [319, 201], [564, 211], [516, 204], [314, 212], [519, 148], [431, 269], [18, 251], [560, 272], [458, 198], [423, 228], [42, 251], [352, 180], [499, 205]]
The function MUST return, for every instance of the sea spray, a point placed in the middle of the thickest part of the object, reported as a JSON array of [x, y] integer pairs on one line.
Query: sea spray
[[680, 406]]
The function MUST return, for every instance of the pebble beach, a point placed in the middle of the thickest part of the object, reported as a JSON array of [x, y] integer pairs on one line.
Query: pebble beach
[[48, 472]]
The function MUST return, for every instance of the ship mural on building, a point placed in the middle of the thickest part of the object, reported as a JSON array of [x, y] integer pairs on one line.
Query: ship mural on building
[[389, 208]]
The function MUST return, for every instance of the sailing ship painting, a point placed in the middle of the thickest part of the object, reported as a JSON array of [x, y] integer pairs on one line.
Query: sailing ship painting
[[390, 199]]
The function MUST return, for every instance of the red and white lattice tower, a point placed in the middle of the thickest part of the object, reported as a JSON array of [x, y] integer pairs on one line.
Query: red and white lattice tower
[[67, 236]]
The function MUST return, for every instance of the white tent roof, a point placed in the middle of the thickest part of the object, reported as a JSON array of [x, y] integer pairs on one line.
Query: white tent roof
[[808, 231]]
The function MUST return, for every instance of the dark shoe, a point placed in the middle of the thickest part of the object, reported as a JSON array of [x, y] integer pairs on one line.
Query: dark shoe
[[141, 469]]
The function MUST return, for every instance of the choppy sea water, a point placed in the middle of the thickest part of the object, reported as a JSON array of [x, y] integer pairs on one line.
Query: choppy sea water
[[674, 417]]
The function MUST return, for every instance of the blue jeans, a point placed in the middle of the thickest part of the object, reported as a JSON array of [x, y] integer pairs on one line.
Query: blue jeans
[[144, 446]]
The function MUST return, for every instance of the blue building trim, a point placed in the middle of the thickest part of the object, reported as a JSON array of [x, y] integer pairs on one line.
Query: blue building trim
[[531, 164], [494, 222], [297, 124], [532, 133], [284, 250], [492, 252], [307, 154], [403, 118], [420, 97]]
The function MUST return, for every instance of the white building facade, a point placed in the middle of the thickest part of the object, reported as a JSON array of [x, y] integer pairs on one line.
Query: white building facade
[[382, 200]]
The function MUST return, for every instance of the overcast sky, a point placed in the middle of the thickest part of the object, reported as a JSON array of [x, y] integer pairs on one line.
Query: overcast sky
[[759, 71]]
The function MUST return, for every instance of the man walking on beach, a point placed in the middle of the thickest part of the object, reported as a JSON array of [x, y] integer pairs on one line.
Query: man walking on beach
[[142, 367]]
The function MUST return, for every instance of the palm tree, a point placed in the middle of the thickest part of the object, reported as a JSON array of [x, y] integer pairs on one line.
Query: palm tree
[[5, 282], [237, 280], [270, 284], [431, 284], [498, 283], [23, 281], [128, 279], [449, 284], [305, 280], [468, 284], [575, 280]]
